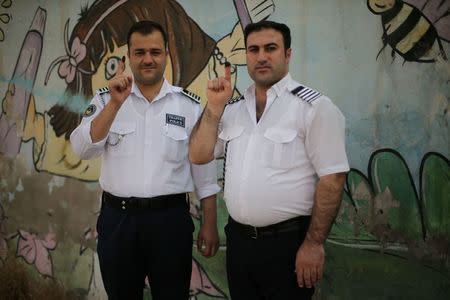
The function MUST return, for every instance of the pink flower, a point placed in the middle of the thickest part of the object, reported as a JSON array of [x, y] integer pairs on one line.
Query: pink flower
[[69, 66], [35, 250]]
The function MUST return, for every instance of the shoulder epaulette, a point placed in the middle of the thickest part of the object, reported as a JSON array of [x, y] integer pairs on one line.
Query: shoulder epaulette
[[192, 96], [306, 94], [234, 100], [103, 90]]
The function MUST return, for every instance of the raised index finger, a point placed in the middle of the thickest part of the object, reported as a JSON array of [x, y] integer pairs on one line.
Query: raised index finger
[[228, 71], [121, 66]]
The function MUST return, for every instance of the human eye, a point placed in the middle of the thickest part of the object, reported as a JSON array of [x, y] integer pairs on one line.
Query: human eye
[[156, 52], [111, 67], [271, 48]]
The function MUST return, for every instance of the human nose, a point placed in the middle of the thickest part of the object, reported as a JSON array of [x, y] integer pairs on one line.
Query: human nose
[[262, 55], [148, 58]]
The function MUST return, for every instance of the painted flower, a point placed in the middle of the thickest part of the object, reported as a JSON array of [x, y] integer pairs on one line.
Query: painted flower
[[35, 250], [68, 67]]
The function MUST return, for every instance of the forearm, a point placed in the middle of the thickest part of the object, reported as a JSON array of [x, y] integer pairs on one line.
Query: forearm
[[102, 123], [203, 137], [209, 209], [327, 200]]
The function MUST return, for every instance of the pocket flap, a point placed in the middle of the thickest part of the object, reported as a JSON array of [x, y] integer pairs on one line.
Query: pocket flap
[[121, 127], [279, 135], [229, 133], [176, 132]]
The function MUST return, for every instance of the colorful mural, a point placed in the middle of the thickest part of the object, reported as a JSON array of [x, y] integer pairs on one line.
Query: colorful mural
[[393, 228]]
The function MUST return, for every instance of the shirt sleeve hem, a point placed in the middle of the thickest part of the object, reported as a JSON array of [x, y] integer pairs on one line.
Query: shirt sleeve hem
[[207, 191], [333, 170], [88, 138]]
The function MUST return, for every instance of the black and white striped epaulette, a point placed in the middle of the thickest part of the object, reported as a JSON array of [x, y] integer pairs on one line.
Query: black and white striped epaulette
[[306, 94], [103, 90], [234, 100], [192, 96]]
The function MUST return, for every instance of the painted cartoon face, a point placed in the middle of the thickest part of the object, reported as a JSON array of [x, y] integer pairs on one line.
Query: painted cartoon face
[[147, 57], [380, 6], [267, 61]]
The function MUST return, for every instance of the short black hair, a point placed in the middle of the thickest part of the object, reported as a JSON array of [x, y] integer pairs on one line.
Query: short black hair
[[146, 27], [280, 27]]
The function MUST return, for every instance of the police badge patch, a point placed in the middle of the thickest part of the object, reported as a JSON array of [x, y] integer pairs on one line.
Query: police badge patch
[[175, 120], [90, 110]]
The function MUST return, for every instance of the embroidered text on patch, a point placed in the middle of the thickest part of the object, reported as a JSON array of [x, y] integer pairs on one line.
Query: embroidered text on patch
[[175, 120]]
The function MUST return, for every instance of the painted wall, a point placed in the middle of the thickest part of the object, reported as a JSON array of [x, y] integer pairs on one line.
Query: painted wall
[[385, 66]]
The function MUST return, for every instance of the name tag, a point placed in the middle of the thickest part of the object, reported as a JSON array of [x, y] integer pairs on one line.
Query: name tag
[[175, 120]]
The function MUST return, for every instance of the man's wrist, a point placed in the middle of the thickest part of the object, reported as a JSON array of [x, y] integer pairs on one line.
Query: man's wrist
[[213, 114], [313, 239]]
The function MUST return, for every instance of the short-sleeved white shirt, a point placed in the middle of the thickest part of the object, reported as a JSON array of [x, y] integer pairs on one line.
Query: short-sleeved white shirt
[[272, 166], [145, 153]]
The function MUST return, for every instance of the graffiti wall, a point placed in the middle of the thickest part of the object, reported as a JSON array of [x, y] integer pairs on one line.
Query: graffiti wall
[[384, 63]]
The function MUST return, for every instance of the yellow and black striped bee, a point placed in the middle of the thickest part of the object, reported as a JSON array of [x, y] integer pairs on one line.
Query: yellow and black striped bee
[[414, 28]]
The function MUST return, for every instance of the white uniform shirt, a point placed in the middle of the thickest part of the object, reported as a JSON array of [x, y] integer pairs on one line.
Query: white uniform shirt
[[146, 151], [271, 167]]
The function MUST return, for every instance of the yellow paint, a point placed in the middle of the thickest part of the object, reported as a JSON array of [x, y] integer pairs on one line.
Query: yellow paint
[[399, 19], [414, 36]]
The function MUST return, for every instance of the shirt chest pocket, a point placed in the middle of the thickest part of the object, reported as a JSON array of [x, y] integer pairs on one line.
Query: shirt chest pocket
[[175, 143], [121, 138], [279, 148], [231, 142]]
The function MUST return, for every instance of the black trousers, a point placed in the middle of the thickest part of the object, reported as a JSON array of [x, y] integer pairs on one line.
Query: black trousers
[[153, 243], [264, 268]]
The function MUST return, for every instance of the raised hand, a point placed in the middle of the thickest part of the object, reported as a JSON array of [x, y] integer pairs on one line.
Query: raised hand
[[219, 92], [120, 85]]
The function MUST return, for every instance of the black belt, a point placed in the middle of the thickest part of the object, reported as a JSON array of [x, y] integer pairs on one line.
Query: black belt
[[248, 231], [142, 204]]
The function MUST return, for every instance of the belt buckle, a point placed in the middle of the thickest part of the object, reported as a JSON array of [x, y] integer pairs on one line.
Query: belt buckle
[[254, 233]]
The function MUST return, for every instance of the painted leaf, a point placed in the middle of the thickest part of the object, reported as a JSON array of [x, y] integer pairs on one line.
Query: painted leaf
[[200, 282], [26, 247], [6, 3], [395, 195], [35, 250], [435, 192]]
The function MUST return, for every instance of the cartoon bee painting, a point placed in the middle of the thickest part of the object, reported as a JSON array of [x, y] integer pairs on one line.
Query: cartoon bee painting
[[414, 29]]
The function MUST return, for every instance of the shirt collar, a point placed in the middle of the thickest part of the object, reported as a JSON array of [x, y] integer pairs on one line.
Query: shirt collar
[[282, 85], [278, 87], [166, 88]]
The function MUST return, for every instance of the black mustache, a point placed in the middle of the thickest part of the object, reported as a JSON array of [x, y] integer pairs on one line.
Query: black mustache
[[263, 65]]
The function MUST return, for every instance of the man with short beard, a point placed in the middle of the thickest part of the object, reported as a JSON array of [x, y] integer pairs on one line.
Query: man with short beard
[[284, 169]]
